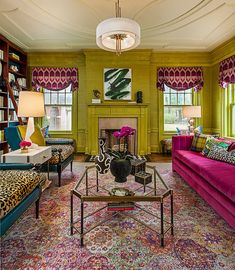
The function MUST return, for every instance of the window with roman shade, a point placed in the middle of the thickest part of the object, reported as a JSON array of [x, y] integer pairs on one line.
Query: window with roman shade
[[180, 78], [227, 82], [57, 85], [177, 84], [227, 72], [55, 79]]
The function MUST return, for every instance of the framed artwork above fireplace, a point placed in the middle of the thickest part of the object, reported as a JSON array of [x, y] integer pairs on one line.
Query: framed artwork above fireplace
[[117, 84]]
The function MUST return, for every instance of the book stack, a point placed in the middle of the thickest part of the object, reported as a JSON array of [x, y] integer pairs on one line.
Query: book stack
[[121, 206]]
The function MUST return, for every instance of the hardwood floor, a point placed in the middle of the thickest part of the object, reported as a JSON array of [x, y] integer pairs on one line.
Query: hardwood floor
[[159, 157], [162, 158]]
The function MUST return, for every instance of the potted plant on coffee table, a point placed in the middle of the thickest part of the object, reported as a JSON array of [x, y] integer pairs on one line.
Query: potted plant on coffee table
[[120, 166]]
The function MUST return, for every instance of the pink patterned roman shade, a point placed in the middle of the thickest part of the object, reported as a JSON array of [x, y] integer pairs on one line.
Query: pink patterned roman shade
[[227, 72], [180, 78], [55, 78]]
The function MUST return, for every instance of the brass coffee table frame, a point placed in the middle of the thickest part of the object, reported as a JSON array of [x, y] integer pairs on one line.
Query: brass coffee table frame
[[91, 197]]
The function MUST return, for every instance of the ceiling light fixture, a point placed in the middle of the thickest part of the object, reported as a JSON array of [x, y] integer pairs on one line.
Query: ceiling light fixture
[[118, 34]]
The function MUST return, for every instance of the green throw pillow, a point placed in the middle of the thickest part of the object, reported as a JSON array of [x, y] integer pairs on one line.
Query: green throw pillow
[[213, 142]]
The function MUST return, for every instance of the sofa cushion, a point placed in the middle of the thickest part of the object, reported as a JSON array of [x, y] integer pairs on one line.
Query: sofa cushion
[[221, 154], [51, 141], [13, 137], [15, 186], [218, 174], [37, 136], [214, 142], [67, 150], [199, 141], [231, 147]]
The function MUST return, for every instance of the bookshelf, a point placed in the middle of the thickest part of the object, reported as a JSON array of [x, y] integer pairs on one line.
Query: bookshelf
[[13, 78]]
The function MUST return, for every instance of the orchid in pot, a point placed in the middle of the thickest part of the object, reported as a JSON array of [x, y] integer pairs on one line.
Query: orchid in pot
[[24, 145], [120, 165]]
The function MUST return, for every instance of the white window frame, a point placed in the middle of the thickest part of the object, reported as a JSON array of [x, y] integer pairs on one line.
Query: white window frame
[[57, 104], [228, 119], [177, 93]]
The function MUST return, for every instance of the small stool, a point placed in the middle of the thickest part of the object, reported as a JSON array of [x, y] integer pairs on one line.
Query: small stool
[[166, 146], [137, 165], [143, 178]]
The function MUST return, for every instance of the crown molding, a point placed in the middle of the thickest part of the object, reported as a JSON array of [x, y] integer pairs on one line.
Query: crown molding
[[223, 51]]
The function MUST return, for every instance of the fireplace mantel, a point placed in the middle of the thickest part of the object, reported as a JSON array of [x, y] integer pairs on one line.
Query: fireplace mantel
[[122, 110]]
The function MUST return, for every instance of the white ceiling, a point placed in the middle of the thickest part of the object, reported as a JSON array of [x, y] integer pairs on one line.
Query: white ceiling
[[188, 25]]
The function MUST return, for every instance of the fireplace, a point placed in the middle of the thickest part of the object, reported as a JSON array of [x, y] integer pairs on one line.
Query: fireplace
[[103, 119], [108, 125]]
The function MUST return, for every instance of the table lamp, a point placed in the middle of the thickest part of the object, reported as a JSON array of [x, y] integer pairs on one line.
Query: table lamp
[[31, 104], [191, 112]]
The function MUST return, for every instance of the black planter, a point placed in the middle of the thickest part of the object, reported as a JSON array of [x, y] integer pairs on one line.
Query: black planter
[[120, 168]]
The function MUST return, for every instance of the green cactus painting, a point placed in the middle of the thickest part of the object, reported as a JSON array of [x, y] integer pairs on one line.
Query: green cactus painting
[[117, 84]]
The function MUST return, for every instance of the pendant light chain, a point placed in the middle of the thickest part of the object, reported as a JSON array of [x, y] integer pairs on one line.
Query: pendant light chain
[[118, 37]]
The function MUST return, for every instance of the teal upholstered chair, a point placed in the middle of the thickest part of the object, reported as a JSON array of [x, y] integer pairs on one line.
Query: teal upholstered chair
[[20, 187]]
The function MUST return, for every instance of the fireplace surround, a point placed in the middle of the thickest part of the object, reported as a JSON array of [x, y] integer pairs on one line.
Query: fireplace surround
[[114, 116]]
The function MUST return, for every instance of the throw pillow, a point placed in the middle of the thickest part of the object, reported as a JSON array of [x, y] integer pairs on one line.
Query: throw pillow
[[198, 130], [182, 131], [199, 141], [45, 131], [36, 137], [221, 154], [213, 142], [231, 147]]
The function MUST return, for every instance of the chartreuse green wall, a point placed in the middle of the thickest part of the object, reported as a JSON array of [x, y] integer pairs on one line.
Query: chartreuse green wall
[[144, 64], [79, 116]]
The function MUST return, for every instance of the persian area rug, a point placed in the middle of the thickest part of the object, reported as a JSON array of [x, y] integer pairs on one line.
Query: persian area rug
[[202, 239]]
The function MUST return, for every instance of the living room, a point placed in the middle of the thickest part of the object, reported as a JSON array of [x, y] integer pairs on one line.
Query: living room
[[193, 37]]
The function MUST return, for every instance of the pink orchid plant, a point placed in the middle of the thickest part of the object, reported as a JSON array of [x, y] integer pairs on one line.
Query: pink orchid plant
[[25, 144], [123, 135]]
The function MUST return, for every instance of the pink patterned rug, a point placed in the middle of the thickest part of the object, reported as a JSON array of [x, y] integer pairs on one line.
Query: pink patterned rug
[[202, 239]]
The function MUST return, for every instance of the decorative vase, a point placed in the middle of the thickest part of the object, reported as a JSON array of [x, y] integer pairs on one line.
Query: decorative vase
[[102, 162], [120, 168]]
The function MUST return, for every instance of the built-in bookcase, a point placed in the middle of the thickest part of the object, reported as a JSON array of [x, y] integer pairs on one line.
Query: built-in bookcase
[[13, 78]]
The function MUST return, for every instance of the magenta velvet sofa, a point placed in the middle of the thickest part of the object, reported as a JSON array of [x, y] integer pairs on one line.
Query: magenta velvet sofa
[[213, 180]]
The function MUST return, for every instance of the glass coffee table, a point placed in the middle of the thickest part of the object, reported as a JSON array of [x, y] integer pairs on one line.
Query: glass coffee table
[[121, 199]]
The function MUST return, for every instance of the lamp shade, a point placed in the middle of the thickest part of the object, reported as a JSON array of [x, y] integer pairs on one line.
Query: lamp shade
[[107, 30], [192, 111], [31, 104]]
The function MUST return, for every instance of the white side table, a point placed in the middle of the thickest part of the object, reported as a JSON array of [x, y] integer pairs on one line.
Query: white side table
[[40, 155]]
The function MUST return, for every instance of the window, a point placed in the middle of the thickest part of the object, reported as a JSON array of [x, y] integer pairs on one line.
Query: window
[[233, 120], [229, 111], [58, 106], [173, 104]]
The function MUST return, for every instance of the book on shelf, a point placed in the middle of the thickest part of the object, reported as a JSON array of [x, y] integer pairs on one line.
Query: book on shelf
[[1, 135], [13, 55], [1, 101], [1, 54], [2, 115]]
